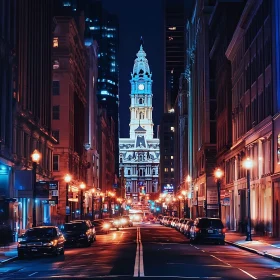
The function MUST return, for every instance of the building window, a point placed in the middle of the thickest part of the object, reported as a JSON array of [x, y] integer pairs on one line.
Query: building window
[[171, 157], [172, 128], [55, 42], [56, 87], [55, 162], [172, 169], [55, 112], [56, 64], [165, 169], [140, 101], [128, 172], [55, 134]]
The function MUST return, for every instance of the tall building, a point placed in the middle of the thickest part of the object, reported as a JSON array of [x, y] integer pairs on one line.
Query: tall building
[[33, 114], [104, 28], [174, 47], [174, 25], [139, 154], [7, 106], [68, 113]]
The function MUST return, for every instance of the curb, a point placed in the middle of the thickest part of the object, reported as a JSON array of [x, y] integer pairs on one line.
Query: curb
[[270, 256], [9, 260]]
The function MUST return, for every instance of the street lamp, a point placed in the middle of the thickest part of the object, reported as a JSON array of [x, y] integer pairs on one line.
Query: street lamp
[[82, 187], [218, 174], [92, 203], [35, 160], [67, 179], [248, 163], [197, 212], [184, 193], [189, 181]]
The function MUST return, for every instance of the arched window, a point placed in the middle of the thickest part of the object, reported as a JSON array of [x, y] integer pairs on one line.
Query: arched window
[[128, 172], [140, 101], [140, 172]]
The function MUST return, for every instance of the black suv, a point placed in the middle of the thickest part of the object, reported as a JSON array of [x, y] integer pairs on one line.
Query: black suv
[[208, 229], [41, 240], [79, 232]]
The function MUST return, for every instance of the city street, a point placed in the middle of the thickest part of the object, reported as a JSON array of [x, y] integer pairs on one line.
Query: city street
[[146, 250]]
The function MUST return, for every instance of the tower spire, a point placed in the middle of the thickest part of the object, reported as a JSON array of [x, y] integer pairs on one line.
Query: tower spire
[[141, 41]]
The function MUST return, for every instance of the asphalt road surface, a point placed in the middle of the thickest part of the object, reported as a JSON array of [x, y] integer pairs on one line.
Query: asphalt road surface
[[146, 250]]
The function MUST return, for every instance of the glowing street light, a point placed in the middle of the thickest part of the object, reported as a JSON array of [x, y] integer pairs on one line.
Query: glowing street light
[[82, 187], [67, 179], [35, 160], [248, 164], [218, 174]]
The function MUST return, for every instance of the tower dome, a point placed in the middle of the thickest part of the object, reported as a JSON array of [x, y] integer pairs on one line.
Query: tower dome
[[141, 66]]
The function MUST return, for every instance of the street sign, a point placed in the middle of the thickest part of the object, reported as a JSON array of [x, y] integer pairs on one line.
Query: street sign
[[42, 189]]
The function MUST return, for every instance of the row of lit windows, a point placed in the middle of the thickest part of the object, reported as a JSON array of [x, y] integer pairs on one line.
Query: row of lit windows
[[166, 169], [105, 80]]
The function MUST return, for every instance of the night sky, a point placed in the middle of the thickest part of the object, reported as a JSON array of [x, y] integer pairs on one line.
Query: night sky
[[136, 19]]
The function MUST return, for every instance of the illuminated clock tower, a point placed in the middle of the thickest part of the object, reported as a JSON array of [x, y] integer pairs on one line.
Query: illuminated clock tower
[[139, 154], [141, 96]]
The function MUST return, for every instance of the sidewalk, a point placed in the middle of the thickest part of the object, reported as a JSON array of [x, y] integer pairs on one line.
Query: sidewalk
[[8, 253], [262, 245]]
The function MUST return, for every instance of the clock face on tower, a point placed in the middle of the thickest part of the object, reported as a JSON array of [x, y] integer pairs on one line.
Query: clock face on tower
[[141, 87]]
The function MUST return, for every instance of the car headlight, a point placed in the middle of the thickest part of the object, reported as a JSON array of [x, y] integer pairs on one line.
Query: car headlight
[[123, 221], [52, 243], [106, 226], [22, 245], [116, 222]]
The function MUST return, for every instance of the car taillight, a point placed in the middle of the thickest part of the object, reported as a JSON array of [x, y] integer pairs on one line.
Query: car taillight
[[197, 229], [223, 230]]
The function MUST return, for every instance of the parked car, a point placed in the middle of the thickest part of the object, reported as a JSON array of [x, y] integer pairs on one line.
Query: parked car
[[208, 229], [101, 226], [41, 240], [187, 228], [79, 233]]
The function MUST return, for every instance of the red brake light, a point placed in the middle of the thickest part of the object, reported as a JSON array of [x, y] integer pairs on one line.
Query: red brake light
[[197, 229], [224, 230]]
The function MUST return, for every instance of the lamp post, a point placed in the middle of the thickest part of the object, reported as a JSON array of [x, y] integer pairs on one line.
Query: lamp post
[[67, 179], [82, 187], [92, 203], [35, 160], [184, 193], [248, 163], [218, 175], [189, 181], [179, 200], [197, 212]]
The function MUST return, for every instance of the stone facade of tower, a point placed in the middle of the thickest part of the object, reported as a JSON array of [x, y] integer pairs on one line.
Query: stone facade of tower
[[139, 154]]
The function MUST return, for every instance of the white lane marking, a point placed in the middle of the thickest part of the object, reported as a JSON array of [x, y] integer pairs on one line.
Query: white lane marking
[[248, 273], [136, 264], [32, 274], [220, 260], [141, 265], [139, 261]]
